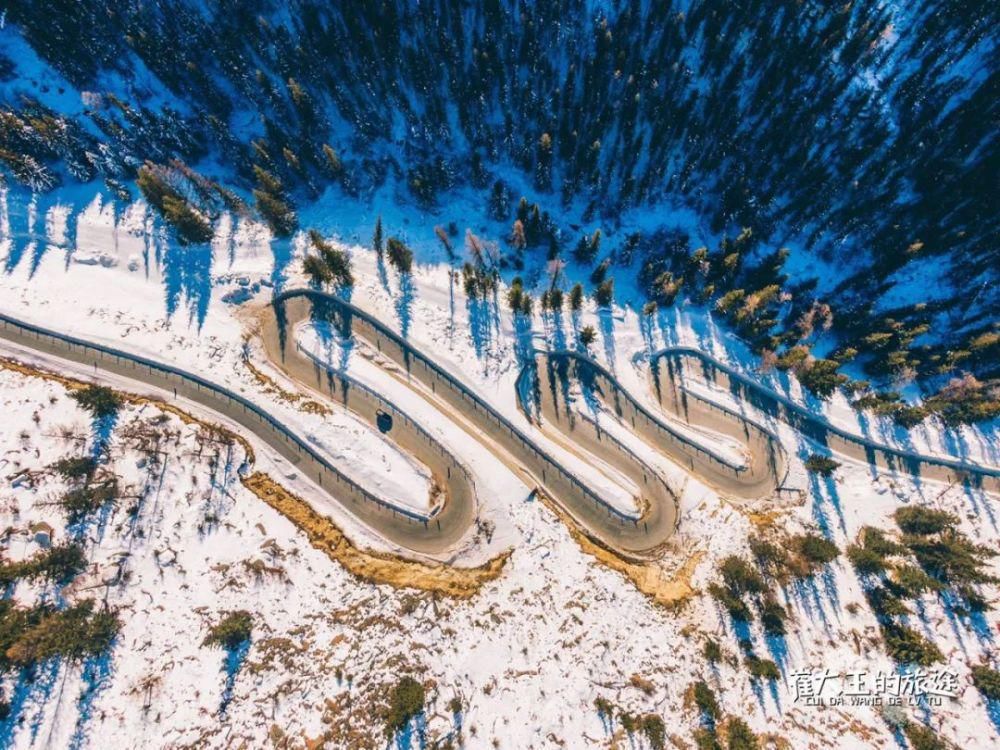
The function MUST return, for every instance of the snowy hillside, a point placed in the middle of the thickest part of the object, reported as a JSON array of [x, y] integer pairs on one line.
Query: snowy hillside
[[523, 660], [446, 374]]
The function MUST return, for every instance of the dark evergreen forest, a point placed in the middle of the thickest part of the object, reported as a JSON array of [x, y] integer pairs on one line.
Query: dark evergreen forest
[[864, 135]]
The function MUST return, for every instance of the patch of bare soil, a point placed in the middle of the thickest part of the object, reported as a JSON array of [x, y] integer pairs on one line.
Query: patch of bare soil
[[667, 589], [376, 567]]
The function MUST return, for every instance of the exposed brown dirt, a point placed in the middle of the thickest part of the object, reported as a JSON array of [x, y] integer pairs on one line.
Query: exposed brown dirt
[[376, 567], [670, 591]]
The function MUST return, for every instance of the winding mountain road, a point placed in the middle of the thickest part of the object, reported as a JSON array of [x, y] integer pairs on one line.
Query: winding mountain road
[[759, 476], [687, 363], [638, 534]]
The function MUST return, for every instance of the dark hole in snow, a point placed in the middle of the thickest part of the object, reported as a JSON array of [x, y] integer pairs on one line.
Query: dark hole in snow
[[384, 421]]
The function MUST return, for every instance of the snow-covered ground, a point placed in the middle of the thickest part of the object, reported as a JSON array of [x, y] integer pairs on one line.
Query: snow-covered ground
[[136, 317], [528, 655]]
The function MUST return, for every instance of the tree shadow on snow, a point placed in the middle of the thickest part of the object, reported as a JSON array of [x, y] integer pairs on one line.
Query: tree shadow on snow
[[606, 322], [20, 239], [383, 274], [187, 275], [823, 490], [524, 345], [231, 666], [980, 502], [404, 304], [993, 712], [96, 671], [33, 688], [40, 242], [480, 325], [281, 249], [415, 728], [555, 332]]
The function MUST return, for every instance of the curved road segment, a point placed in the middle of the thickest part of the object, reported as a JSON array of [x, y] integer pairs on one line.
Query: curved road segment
[[760, 476], [429, 534], [639, 534], [671, 367]]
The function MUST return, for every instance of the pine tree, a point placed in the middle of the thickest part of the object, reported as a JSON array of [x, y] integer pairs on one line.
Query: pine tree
[[400, 256], [527, 304], [272, 204], [499, 206], [515, 295], [192, 227], [604, 294], [333, 163], [316, 270], [99, 400], [595, 243], [445, 241], [152, 186], [600, 272], [332, 264]]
